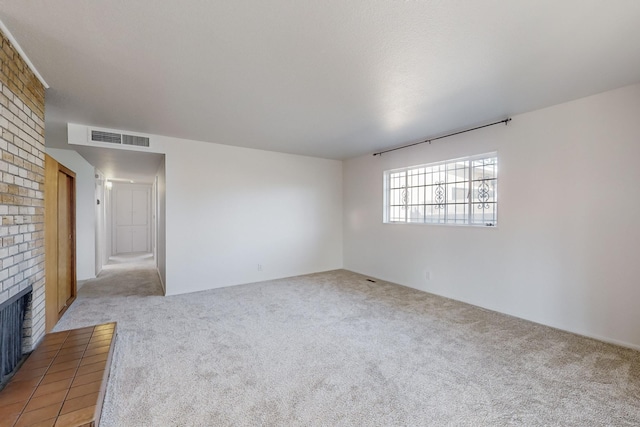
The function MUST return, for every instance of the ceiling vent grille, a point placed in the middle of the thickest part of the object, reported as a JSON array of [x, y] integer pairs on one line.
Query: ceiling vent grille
[[110, 137], [138, 141], [117, 138]]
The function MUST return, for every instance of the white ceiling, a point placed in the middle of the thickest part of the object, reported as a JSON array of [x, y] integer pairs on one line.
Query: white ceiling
[[328, 78]]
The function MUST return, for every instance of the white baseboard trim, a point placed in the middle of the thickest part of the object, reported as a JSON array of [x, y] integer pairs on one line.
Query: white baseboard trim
[[164, 289]]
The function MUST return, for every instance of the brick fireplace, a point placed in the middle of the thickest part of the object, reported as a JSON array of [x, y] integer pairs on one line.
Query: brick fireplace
[[21, 191]]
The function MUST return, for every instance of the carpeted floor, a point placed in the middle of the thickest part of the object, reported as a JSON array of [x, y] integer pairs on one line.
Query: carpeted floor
[[334, 349]]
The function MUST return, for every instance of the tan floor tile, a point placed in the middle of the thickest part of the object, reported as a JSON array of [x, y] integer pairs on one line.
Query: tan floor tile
[[57, 376], [84, 389], [94, 359], [75, 343], [50, 346], [46, 423], [24, 374], [103, 331], [105, 327], [37, 363], [99, 342], [80, 331], [84, 415], [70, 356], [9, 420], [97, 350], [83, 337], [21, 384], [39, 355], [88, 400], [88, 378], [57, 367], [54, 338], [86, 369], [52, 387], [13, 395], [72, 350], [8, 411], [49, 399], [42, 414]]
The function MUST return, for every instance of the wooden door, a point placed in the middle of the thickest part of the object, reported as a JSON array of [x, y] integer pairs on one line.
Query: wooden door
[[65, 240], [60, 262]]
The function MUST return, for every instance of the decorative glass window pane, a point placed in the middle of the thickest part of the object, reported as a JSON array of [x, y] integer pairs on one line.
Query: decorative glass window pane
[[461, 191]]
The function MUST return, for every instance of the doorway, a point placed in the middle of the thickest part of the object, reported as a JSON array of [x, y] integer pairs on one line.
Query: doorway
[[131, 218]]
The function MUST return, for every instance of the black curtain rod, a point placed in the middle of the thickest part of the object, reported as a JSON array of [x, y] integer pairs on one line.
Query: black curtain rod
[[505, 121]]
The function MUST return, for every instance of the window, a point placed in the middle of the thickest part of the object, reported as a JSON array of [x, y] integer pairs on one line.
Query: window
[[461, 191]]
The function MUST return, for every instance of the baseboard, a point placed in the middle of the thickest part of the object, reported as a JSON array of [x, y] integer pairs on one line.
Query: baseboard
[[164, 289], [619, 343], [604, 339]]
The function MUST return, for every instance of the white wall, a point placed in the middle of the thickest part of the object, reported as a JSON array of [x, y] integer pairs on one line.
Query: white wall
[[161, 245], [100, 216], [224, 210], [108, 250], [85, 210], [229, 209], [565, 252]]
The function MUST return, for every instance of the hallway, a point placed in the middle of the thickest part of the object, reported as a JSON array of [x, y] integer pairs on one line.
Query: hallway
[[120, 262], [130, 276]]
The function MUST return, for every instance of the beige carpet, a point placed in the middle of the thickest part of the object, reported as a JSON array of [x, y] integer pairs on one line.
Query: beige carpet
[[334, 349]]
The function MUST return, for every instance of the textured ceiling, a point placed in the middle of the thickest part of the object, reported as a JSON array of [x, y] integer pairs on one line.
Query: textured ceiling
[[329, 78]]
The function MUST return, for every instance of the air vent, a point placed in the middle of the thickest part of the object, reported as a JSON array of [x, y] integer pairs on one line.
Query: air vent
[[110, 137], [139, 141]]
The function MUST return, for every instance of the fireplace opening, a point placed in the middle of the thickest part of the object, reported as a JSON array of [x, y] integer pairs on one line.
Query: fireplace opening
[[12, 334]]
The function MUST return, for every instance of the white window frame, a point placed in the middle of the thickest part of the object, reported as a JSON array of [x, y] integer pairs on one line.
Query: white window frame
[[479, 182]]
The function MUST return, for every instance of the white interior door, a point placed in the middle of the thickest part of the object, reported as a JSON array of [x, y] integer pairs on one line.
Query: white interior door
[[132, 218]]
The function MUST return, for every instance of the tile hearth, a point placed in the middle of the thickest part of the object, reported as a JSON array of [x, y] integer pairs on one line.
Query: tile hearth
[[62, 383]]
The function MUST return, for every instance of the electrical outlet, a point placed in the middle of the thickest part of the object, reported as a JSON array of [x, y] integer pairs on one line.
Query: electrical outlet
[[259, 267], [427, 275]]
